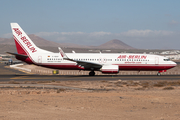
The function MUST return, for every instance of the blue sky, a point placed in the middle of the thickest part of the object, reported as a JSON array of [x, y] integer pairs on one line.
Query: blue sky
[[147, 24]]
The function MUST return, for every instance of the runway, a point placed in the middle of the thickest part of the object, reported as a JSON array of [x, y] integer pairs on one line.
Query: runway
[[7, 74], [85, 78]]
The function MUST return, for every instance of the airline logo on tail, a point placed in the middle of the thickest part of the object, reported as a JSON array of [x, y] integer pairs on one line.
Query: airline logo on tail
[[25, 40]]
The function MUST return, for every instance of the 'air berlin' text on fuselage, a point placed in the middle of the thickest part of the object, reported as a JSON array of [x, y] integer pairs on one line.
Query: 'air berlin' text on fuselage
[[132, 57], [25, 40]]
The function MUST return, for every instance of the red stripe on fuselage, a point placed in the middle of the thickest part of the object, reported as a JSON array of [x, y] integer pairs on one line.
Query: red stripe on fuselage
[[63, 67], [148, 67], [73, 66]]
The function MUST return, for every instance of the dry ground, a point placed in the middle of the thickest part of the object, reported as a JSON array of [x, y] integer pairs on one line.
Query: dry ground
[[101, 100]]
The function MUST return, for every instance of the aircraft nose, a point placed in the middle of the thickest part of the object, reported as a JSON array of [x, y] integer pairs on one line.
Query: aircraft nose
[[174, 64]]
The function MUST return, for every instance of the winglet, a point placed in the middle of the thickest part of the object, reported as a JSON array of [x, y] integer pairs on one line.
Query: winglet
[[62, 53]]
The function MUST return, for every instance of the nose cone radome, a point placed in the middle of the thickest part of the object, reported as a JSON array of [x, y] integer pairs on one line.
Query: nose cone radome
[[173, 64]]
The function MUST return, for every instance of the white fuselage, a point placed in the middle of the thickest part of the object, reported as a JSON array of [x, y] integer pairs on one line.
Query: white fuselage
[[124, 61]]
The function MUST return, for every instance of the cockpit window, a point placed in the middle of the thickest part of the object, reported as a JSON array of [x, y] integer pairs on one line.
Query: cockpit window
[[166, 59]]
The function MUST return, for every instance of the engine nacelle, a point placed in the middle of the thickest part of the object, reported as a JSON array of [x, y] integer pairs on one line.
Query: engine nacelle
[[110, 69]]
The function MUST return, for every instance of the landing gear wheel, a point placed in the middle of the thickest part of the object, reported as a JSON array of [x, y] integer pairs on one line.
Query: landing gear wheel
[[158, 74], [92, 73]]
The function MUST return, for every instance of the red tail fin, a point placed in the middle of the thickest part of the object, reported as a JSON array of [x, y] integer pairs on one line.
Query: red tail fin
[[20, 50]]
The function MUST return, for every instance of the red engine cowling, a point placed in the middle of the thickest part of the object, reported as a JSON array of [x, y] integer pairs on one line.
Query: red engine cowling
[[110, 69]]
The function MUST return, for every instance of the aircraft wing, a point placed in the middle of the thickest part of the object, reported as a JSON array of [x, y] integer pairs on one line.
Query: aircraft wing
[[84, 64]]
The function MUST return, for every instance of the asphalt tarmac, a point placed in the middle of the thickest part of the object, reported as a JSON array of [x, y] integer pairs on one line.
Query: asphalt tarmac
[[8, 74]]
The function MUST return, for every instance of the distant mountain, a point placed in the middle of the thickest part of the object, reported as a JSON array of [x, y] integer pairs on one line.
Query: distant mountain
[[41, 42], [7, 41], [37, 40], [115, 44], [8, 44]]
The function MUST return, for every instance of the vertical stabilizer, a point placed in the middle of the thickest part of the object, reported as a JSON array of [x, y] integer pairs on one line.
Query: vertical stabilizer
[[23, 43]]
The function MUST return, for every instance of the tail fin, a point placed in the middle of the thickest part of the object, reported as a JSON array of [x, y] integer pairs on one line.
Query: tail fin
[[24, 44]]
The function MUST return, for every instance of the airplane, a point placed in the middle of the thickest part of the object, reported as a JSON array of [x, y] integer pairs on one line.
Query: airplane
[[11, 62], [107, 63]]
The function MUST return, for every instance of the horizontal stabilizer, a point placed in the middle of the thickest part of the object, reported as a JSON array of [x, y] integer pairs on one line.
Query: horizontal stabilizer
[[18, 55]]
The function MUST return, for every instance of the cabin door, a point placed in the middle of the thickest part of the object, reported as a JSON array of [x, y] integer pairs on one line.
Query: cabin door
[[156, 60], [39, 59]]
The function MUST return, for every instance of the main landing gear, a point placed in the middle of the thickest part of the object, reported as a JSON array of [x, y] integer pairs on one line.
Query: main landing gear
[[158, 74], [92, 73]]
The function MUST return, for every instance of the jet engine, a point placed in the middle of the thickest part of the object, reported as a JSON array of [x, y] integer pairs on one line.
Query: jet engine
[[110, 69]]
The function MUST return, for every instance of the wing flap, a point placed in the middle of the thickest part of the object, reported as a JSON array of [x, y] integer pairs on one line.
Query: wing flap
[[88, 64]]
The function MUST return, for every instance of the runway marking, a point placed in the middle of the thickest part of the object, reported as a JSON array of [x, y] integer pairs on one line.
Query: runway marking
[[27, 77], [20, 77]]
